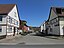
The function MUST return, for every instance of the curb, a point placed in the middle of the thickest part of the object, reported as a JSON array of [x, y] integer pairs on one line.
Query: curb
[[12, 43], [44, 44], [11, 37], [31, 43], [8, 43]]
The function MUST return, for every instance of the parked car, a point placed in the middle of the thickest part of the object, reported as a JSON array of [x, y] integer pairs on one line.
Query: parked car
[[30, 31], [20, 31]]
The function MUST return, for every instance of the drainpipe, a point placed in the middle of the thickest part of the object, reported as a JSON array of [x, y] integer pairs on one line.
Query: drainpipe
[[6, 25]]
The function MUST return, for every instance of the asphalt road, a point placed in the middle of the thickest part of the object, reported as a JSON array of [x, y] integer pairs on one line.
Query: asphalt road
[[30, 39], [32, 46]]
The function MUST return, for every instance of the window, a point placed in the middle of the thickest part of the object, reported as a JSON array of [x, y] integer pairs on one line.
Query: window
[[17, 22], [56, 25], [9, 29], [58, 10], [0, 29], [0, 18], [13, 21], [50, 29], [10, 20], [7, 19], [56, 19], [62, 10], [61, 18], [15, 14]]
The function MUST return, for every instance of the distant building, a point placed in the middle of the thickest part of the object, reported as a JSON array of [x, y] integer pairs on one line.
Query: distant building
[[44, 27], [23, 26], [41, 27], [9, 19], [36, 29]]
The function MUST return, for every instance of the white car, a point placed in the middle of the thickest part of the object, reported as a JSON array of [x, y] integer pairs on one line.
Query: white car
[[20, 31]]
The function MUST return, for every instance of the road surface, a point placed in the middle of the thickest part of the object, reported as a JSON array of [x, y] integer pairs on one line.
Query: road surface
[[30, 39], [32, 46]]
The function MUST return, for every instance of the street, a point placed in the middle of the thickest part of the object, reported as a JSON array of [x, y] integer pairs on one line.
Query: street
[[32, 46], [31, 39]]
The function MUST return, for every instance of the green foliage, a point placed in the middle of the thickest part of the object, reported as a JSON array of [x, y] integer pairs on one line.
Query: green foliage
[[23, 23]]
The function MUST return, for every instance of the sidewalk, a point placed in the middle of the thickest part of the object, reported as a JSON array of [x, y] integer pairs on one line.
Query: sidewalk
[[11, 40], [11, 37], [49, 36]]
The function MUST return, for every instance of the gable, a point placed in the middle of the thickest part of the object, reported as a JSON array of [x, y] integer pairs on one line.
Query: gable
[[52, 15], [14, 13]]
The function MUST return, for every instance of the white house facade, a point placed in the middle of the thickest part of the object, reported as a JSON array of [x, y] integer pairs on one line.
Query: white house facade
[[56, 21], [9, 19]]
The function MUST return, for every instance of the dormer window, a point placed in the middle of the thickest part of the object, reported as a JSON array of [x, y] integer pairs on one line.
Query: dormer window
[[58, 10]]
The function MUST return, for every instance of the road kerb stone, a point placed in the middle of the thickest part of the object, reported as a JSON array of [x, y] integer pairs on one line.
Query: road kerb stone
[[43, 43]]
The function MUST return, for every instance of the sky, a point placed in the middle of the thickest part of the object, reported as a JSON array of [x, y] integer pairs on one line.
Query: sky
[[35, 12]]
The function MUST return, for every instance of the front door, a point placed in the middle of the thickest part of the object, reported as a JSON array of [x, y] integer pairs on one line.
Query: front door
[[63, 30], [46, 31], [14, 32]]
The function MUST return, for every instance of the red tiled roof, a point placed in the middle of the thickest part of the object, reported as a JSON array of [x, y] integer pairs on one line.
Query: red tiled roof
[[54, 9], [6, 8]]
